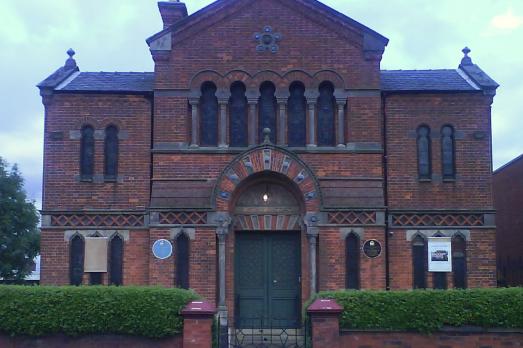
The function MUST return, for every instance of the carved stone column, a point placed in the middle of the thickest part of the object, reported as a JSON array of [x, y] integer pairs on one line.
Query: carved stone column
[[282, 122], [222, 130], [253, 122], [312, 237], [340, 131], [223, 220], [311, 221], [311, 104], [195, 122]]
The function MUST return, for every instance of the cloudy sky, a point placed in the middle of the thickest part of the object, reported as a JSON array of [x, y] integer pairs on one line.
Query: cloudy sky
[[109, 35]]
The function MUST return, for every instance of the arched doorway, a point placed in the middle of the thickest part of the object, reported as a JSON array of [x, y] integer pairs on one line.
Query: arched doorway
[[268, 214]]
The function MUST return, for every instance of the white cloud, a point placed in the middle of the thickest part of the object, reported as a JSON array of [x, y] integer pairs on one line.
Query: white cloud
[[507, 21]]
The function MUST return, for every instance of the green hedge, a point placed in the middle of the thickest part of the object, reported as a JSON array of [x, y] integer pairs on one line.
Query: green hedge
[[73, 311], [430, 310]]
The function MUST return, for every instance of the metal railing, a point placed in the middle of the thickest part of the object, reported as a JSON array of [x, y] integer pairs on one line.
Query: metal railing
[[263, 333]]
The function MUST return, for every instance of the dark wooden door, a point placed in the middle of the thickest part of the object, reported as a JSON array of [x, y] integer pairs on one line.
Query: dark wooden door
[[267, 286]]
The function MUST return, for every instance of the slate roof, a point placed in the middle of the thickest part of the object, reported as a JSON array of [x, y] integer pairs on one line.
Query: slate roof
[[110, 82], [392, 80], [424, 80]]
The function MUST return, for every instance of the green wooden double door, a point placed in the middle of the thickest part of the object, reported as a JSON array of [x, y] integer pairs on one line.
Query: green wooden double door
[[267, 281]]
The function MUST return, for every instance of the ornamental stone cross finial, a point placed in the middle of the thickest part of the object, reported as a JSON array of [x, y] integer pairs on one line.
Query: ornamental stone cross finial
[[466, 59], [70, 63]]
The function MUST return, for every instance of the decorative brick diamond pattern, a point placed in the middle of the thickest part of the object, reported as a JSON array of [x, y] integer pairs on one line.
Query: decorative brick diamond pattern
[[97, 220], [353, 218], [426, 220], [183, 218]]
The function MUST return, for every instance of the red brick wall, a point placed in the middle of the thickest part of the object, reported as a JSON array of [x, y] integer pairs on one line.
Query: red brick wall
[[137, 256], [481, 261], [508, 200], [54, 268], [203, 263], [332, 259], [106, 341], [436, 340], [467, 113], [225, 45], [66, 113]]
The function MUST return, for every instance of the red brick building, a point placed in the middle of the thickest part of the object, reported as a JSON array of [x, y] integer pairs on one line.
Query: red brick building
[[508, 201], [273, 154]]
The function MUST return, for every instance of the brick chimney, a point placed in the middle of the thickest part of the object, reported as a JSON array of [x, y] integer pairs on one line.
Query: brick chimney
[[172, 11]]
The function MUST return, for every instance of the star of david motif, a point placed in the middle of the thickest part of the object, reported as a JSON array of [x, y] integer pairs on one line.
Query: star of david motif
[[267, 40]]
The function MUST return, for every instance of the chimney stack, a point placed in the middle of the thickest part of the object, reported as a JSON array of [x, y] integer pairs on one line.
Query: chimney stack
[[172, 11]]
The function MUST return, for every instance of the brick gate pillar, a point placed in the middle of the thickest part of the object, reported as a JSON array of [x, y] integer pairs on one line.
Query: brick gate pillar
[[197, 324], [325, 322]]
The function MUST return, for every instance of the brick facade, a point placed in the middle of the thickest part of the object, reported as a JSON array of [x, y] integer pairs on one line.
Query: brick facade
[[508, 201], [367, 184]]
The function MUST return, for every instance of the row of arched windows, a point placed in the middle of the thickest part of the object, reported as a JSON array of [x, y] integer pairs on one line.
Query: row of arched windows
[[87, 153], [439, 279], [424, 144], [419, 264], [115, 260], [267, 114]]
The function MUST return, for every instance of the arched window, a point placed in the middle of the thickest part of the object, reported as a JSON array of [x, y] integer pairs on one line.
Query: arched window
[[209, 115], [424, 153], [87, 153], [459, 262], [267, 110], [116, 261], [448, 152], [439, 279], [182, 261], [419, 261], [326, 111], [76, 260], [352, 259], [111, 153], [238, 115], [297, 111]]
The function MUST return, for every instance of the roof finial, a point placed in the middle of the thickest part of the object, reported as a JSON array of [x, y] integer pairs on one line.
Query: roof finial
[[266, 135], [466, 59], [70, 63]]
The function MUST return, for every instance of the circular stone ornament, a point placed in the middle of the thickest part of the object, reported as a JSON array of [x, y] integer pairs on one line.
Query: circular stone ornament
[[372, 248], [162, 249]]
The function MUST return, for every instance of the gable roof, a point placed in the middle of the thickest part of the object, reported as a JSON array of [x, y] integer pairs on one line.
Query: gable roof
[[109, 82], [373, 41], [448, 80], [426, 80]]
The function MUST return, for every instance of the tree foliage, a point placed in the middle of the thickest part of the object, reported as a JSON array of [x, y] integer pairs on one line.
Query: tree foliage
[[19, 237]]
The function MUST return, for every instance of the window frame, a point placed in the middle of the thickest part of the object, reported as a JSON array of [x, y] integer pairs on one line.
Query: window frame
[[352, 279], [428, 176], [87, 143], [182, 257], [452, 177], [116, 144]]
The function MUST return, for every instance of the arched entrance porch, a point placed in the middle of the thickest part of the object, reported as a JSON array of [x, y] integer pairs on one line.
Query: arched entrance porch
[[267, 201]]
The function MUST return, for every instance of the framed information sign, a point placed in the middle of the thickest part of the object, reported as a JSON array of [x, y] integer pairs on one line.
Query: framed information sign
[[440, 254]]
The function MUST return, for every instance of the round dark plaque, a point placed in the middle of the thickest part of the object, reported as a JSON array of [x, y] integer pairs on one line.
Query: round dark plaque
[[372, 248]]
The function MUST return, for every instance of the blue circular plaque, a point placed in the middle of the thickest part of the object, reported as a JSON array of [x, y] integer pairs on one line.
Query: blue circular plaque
[[162, 249]]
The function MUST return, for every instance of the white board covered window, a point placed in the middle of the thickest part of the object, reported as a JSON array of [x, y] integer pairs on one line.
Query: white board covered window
[[96, 254]]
